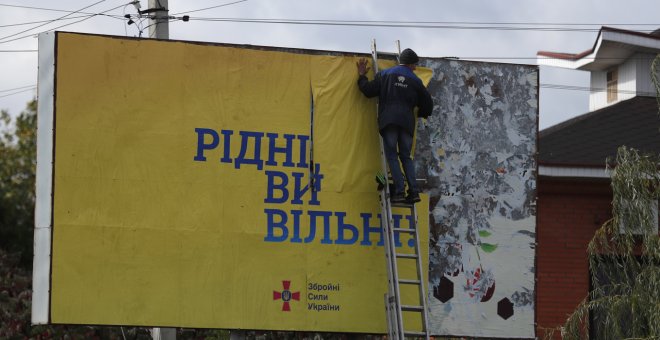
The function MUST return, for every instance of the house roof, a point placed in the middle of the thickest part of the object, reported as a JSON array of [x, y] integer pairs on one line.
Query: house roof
[[587, 140], [611, 47]]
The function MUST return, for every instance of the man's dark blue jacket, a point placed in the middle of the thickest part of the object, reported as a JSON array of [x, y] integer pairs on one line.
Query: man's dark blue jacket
[[399, 90]]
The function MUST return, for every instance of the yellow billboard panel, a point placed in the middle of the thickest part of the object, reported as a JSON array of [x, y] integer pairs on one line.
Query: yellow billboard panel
[[215, 186]]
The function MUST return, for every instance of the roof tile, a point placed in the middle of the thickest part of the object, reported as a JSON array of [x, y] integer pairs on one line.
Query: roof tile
[[588, 140]]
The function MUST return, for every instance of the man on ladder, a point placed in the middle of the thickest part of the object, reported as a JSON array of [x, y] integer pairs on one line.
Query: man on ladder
[[399, 91]]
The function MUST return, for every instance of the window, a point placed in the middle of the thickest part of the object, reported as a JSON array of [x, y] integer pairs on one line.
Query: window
[[612, 79]]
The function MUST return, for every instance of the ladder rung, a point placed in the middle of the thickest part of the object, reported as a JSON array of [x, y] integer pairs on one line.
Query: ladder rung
[[404, 230], [414, 333], [408, 308], [417, 179], [407, 256], [410, 282], [403, 205]]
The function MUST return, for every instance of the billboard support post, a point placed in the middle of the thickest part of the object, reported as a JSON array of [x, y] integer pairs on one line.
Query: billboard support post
[[159, 29]]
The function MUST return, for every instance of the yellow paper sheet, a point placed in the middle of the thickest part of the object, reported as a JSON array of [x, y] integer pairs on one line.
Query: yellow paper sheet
[[157, 225]]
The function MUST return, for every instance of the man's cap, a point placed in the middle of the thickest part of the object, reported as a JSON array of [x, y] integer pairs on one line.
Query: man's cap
[[408, 57]]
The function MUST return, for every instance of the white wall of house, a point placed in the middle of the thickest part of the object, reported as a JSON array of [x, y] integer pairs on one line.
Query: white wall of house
[[627, 85], [634, 79], [598, 97]]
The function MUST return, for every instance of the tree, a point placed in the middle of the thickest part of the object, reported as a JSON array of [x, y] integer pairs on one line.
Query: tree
[[17, 181], [624, 254], [624, 258]]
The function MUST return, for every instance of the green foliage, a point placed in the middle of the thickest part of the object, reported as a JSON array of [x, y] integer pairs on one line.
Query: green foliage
[[16, 301], [624, 258], [17, 181]]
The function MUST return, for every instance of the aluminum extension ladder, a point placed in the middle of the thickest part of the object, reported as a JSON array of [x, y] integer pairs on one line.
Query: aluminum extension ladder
[[394, 309]]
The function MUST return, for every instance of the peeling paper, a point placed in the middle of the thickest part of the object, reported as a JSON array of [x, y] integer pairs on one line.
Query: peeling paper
[[477, 152]]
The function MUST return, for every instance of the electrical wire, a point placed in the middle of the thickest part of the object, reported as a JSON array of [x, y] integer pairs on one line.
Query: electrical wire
[[400, 24], [410, 22], [72, 23], [39, 8], [52, 10], [542, 85], [40, 21], [47, 23], [597, 25], [207, 8], [151, 34], [452, 57], [390, 23], [18, 88], [138, 24], [17, 92], [593, 89], [125, 21], [463, 25]]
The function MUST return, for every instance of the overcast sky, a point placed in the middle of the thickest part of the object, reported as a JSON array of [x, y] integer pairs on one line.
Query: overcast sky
[[18, 70]]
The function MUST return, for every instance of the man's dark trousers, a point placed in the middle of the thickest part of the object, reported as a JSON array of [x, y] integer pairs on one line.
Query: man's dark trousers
[[394, 135]]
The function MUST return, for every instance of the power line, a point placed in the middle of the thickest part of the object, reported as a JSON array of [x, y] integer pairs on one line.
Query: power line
[[386, 21], [72, 23], [40, 21], [452, 57], [466, 58], [46, 9], [543, 85], [18, 88], [44, 24], [504, 23], [17, 92], [409, 24], [506, 26], [85, 14], [207, 8], [594, 89], [38, 8]]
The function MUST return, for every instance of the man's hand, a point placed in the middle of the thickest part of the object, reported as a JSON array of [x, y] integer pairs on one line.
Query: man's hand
[[362, 67]]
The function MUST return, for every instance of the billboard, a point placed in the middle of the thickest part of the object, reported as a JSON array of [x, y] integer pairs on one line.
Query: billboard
[[223, 186], [198, 185]]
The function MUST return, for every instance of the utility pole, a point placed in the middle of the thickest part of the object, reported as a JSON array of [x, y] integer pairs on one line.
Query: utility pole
[[159, 21], [163, 333], [159, 29]]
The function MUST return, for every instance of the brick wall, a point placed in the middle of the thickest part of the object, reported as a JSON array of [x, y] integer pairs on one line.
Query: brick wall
[[569, 212]]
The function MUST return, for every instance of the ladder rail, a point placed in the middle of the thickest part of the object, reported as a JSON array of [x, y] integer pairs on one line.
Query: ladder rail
[[388, 314], [420, 275], [394, 316]]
